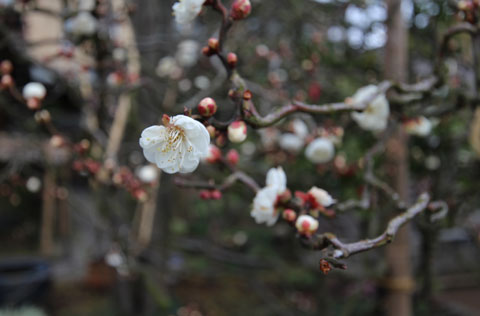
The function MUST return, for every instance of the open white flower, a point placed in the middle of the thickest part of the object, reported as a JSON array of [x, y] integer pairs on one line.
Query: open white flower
[[277, 178], [147, 174], [264, 206], [291, 142], [299, 128], [419, 126], [86, 5], [321, 196], [320, 150], [34, 90], [375, 116], [176, 147], [264, 202], [84, 23], [186, 11]]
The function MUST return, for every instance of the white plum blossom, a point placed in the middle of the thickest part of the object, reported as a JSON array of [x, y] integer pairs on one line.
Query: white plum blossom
[[34, 90], [186, 11], [168, 67], [321, 196], [291, 142], [277, 178], [420, 126], [176, 147], [187, 53], [33, 184], [83, 24], [147, 174], [264, 202], [375, 116], [86, 5], [264, 206], [306, 225], [299, 128], [320, 150]]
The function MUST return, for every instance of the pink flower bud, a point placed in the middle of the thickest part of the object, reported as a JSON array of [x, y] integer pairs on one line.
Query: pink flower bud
[[216, 194], [237, 131], [7, 81], [205, 195], [232, 59], [57, 141], [207, 107], [306, 225], [233, 156], [289, 215], [213, 44], [34, 104], [214, 154], [240, 9], [6, 67]]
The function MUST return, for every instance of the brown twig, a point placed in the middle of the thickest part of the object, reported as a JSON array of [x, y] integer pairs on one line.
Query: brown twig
[[345, 250]]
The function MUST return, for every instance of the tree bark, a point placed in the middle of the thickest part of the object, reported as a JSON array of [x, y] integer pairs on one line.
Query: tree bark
[[398, 301]]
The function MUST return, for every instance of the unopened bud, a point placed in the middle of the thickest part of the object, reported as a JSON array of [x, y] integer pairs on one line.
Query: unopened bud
[[211, 131], [6, 67], [57, 141], [205, 195], [289, 215], [221, 140], [214, 154], [306, 225], [213, 44], [33, 103], [7, 81], [247, 95], [216, 195], [237, 131], [207, 107], [42, 117], [206, 51], [285, 197], [325, 266], [166, 120], [240, 9], [232, 59], [233, 156]]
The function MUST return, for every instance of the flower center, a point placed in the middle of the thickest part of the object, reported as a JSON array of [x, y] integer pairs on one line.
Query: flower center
[[174, 139]]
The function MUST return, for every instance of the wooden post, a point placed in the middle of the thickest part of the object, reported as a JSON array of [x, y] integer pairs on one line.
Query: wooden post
[[48, 213], [399, 283]]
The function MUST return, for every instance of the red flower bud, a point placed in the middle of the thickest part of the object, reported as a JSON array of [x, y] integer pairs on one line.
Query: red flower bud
[[247, 95], [207, 107], [233, 156], [240, 9], [205, 195]]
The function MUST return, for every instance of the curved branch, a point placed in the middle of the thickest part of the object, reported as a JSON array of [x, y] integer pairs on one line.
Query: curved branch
[[345, 250]]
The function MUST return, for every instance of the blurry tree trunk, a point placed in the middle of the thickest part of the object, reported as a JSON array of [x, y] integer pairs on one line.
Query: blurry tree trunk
[[48, 213], [399, 279]]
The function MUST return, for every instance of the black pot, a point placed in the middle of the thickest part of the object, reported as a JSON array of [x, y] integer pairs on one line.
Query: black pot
[[23, 281]]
